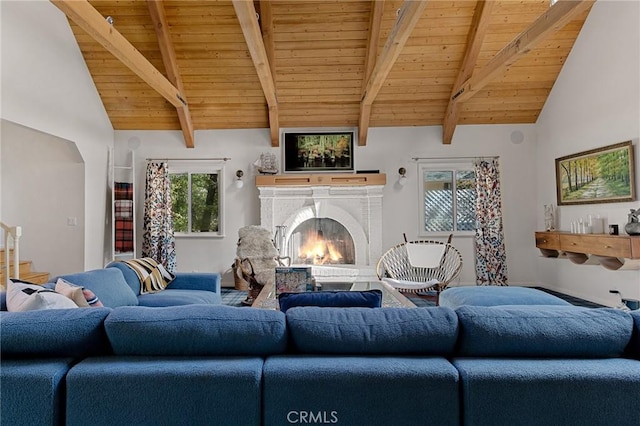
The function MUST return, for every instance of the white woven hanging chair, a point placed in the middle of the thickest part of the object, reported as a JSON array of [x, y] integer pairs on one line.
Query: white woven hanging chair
[[419, 266]]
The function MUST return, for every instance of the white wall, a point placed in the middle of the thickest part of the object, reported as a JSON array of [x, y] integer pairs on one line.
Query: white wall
[[46, 86], [40, 192], [595, 102], [387, 149]]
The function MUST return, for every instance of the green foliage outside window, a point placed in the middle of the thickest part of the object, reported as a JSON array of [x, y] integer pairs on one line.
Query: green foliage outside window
[[195, 198]]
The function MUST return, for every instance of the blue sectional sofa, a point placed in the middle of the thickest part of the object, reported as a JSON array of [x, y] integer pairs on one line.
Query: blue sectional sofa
[[118, 285], [208, 364]]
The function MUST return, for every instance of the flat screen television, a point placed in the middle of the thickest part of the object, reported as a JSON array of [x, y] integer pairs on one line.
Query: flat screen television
[[318, 152]]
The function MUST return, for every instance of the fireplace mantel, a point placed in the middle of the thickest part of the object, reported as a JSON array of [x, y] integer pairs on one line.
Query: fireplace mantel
[[322, 179]]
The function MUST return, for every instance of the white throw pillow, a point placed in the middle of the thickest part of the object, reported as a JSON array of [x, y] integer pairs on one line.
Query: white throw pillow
[[23, 297]]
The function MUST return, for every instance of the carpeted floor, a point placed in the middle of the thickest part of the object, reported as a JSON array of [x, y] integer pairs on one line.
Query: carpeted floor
[[234, 297]]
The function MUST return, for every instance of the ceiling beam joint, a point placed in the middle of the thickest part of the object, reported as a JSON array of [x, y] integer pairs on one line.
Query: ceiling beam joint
[[90, 20], [158, 16], [554, 19], [246, 13], [408, 16], [475, 38]]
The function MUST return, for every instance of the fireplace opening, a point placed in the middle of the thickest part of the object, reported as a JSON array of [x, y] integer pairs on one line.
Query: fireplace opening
[[321, 241]]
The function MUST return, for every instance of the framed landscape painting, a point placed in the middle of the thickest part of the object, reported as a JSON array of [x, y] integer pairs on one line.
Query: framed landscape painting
[[603, 175]]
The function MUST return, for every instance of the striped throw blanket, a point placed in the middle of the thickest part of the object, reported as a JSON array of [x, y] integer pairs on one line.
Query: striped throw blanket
[[153, 276]]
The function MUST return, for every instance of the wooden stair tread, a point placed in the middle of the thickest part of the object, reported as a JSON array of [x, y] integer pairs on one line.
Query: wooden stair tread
[[11, 262], [25, 268], [34, 277], [26, 274]]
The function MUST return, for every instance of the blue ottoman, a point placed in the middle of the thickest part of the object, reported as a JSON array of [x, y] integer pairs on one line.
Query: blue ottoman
[[454, 297]]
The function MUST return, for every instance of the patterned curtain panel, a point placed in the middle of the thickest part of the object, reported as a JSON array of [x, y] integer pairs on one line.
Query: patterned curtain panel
[[158, 241], [491, 257]]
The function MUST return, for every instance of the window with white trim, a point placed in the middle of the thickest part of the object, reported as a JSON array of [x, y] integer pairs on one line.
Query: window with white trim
[[447, 193], [197, 197]]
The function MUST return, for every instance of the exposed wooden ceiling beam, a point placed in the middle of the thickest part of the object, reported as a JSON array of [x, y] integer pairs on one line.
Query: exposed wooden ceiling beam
[[479, 28], [377, 9], [246, 13], [554, 19], [156, 10], [91, 21], [266, 20], [408, 16]]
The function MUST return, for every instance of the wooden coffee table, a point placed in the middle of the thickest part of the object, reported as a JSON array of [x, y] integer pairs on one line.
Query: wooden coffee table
[[391, 298]]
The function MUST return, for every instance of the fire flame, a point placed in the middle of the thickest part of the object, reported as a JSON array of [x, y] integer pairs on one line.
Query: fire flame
[[319, 251]]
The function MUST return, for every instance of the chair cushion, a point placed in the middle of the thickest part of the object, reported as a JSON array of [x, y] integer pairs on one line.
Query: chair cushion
[[338, 299], [196, 330], [61, 332], [541, 331], [454, 297], [373, 331], [107, 284]]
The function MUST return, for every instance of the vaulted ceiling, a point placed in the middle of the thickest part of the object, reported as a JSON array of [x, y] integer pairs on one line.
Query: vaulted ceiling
[[193, 65]]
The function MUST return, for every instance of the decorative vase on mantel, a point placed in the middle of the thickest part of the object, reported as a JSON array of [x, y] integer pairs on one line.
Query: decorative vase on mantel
[[633, 227]]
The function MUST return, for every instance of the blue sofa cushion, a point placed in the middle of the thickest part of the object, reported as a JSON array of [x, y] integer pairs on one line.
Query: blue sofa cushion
[[541, 331], [130, 276], [634, 345], [192, 330], [373, 331], [360, 390], [33, 391], [209, 281], [108, 284], [75, 332], [178, 297], [338, 299], [165, 391], [535, 392], [454, 297]]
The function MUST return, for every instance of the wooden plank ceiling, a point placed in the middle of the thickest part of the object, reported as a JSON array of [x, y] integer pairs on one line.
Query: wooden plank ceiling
[[332, 63]]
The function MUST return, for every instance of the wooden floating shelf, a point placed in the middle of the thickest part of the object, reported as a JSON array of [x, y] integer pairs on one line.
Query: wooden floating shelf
[[327, 179], [612, 252]]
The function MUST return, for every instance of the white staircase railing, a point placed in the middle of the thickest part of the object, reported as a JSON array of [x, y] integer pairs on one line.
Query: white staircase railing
[[11, 233]]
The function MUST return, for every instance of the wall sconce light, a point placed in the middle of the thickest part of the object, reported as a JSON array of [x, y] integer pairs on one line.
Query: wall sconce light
[[239, 181], [402, 180]]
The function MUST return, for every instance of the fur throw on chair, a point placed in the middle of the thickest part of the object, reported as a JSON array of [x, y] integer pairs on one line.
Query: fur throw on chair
[[256, 244]]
